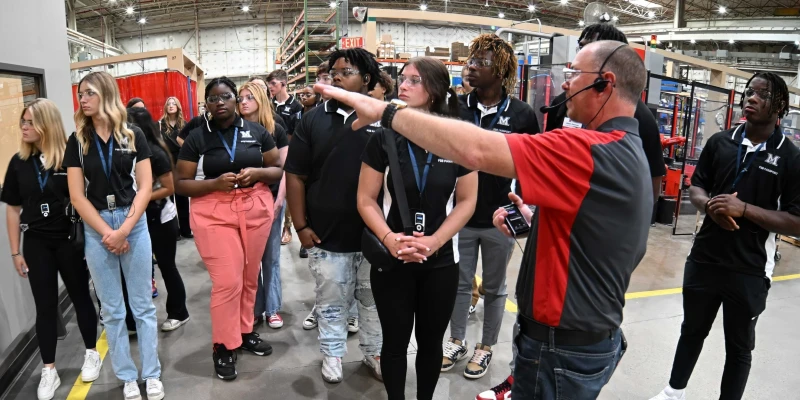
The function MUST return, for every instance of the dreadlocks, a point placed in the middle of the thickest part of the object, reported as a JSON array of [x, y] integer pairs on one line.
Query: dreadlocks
[[363, 60], [604, 32], [504, 63], [780, 92]]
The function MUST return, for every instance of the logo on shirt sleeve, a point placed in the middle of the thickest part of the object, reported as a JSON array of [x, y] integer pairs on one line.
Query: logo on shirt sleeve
[[772, 159]]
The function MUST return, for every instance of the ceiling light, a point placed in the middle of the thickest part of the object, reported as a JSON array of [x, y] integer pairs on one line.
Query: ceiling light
[[332, 4], [615, 18], [581, 23], [245, 8], [797, 42], [501, 15], [129, 10], [651, 14], [531, 8], [644, 3], [693, 41], [564, 2], [423, 6], [143, 20], [731, 41], [722, 10]]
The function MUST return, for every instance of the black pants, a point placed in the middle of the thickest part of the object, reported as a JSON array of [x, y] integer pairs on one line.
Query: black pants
[[743, 298], [182, 204], [46, 258], [406, 295]]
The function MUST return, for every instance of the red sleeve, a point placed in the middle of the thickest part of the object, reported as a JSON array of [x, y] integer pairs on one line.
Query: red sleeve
[[554, 168]]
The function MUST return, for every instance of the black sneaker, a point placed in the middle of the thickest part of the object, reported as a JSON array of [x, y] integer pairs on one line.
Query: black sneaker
[[224, 362], [253, 343], [303, 252]]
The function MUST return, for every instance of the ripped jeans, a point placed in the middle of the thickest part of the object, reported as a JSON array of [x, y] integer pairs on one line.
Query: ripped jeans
[[340, 278]]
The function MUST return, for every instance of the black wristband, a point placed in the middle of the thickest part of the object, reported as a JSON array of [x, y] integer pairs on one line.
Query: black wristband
[[706, 207], [388, 115], [298, 230]]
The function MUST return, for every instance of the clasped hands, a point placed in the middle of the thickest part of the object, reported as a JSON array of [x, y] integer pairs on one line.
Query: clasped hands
[[229, 180], [724, 208], [116, 242], [412, 249]]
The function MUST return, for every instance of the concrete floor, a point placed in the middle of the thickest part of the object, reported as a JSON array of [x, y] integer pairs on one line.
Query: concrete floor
[[652, 326]]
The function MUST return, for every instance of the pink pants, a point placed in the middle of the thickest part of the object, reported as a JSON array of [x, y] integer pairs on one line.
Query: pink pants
[[231, 232]]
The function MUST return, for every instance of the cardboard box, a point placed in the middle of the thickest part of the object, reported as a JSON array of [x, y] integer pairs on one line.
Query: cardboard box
[[386, 38], [403, 56]]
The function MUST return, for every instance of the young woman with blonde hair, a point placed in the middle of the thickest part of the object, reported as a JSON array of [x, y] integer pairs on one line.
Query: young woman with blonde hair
[[171, 124], [113, 158], [36, 183], [256, 107]]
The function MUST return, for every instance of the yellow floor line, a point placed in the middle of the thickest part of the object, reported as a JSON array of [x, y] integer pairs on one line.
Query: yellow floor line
[[81, 389]]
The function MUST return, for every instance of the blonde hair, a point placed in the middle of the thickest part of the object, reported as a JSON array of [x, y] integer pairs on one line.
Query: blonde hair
[[110, 109], [165, 118], [47, 123], [264, 106]]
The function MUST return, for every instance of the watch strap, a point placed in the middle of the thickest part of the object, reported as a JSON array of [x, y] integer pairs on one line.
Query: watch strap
[[388, 115]]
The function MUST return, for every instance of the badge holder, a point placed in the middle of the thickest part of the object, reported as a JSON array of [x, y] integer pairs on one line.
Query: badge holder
[[111, 201], [45, 208]]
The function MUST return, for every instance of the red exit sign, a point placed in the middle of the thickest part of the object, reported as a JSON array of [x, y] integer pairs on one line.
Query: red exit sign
[[351, 42]]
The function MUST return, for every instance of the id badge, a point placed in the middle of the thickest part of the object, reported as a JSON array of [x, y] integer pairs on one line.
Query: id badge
[[111, 201], [45, 208]]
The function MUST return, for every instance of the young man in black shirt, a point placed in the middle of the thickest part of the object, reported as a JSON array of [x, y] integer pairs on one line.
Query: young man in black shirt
[[748, 181], [285, 104], [492, 72], [322, 171]]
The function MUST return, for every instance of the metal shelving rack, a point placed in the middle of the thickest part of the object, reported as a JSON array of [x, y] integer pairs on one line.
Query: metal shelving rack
[[308, 43]]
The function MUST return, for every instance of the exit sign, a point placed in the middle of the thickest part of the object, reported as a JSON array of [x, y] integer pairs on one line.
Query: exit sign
[[351, 42]]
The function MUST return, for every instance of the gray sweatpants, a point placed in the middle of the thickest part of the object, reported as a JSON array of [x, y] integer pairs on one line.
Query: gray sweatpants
[[496, 251]]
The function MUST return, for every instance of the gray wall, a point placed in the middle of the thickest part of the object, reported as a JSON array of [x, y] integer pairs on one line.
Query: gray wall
[[36, 37]]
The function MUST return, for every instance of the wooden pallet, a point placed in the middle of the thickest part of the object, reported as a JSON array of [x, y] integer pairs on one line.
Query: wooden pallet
[[791, 240]]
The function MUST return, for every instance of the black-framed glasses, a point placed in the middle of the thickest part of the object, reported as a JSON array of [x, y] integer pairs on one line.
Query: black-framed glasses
[[412, 80], [227, 96], [761, 93], [478, 62], [87, 93], [344, 72]]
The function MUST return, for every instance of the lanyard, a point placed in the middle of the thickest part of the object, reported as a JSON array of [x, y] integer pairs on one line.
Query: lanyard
[[420, 185], [496, 116], [231, 152], [106, 166], [739, 159], [42, 181]]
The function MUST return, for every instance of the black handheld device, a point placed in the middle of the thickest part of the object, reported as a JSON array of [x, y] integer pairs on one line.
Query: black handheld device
[[515, 221]]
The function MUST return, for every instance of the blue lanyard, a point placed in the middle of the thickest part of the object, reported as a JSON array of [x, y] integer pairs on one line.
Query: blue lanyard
[[749, 162], [496, 116], [106, 166], [42, 181], [420, 185], [231, 152]]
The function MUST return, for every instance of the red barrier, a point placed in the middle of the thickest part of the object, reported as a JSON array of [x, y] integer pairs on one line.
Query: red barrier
[[155, 88]]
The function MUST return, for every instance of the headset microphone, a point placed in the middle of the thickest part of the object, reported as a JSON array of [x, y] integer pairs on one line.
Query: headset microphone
[[599, 83]]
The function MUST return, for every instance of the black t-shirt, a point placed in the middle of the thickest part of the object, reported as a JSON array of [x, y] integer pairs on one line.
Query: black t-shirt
[[159, 161], [281, 141], [204, 147], [332, 181], [437, 199], [279, 121], [170, 136], [123, 168], [21, 188], [193, 124], [287, 111], [515, 117], [772, 182], [648, 131]]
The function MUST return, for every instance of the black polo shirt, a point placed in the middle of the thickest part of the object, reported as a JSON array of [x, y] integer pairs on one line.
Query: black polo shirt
[[437, 199], [204, 147], [287, 110], [159, 161], [281, 141], [332, 178], [21, 188], [772, 182], [648, 132], [515, 117], [193, 124], [170, 136], [123, 173]]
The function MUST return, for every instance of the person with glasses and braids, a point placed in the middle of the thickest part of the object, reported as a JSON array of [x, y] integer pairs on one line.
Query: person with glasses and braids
[[225, 167], [322, 172], [492, 69], [748, 182]]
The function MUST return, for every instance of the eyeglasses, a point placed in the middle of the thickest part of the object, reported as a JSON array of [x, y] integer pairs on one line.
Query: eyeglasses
[[412, 80], [570, 73], [762, 94], [324, 79], [172, 104], [249, 97], [305, 95], [25, 122], [479, 63], [227, 96], [88, 93], [345, 72]]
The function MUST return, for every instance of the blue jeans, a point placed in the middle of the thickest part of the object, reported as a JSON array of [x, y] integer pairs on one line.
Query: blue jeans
[[341, 278], [547, 372], [269, 297], [137, 267]]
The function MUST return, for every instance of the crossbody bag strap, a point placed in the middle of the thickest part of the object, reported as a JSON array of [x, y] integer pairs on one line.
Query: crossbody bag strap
[[397, 181]]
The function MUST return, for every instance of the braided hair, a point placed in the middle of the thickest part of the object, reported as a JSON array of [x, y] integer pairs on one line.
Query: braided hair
[[504, 63], [780, 92], [223, 80], [603, 31], [362, 60]]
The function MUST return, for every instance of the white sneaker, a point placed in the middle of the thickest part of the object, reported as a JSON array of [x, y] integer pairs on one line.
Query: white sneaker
[[332, 369], [49, 383], [155, 389], [172, 324], [92, 363], [352, 324], [374, 364], [311, 321], [670, 394], [131, 391]]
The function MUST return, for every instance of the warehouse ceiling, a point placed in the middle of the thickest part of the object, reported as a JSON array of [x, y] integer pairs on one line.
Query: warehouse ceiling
[[160, 15]]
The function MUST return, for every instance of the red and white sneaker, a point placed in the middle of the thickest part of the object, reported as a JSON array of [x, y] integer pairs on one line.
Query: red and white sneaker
[[275, 321], [499, 392]]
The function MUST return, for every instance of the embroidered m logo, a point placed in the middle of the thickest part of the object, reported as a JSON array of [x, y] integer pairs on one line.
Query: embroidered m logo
[[246, 135], [772, 159], [503, 121]]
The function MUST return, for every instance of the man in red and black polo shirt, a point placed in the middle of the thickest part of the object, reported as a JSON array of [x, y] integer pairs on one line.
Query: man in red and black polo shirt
[[592, 189]]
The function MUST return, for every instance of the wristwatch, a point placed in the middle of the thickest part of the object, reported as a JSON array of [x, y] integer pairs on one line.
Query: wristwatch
[[390, 110]]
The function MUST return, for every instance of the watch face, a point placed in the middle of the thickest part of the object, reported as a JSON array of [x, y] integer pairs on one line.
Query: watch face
[[399, 103]]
